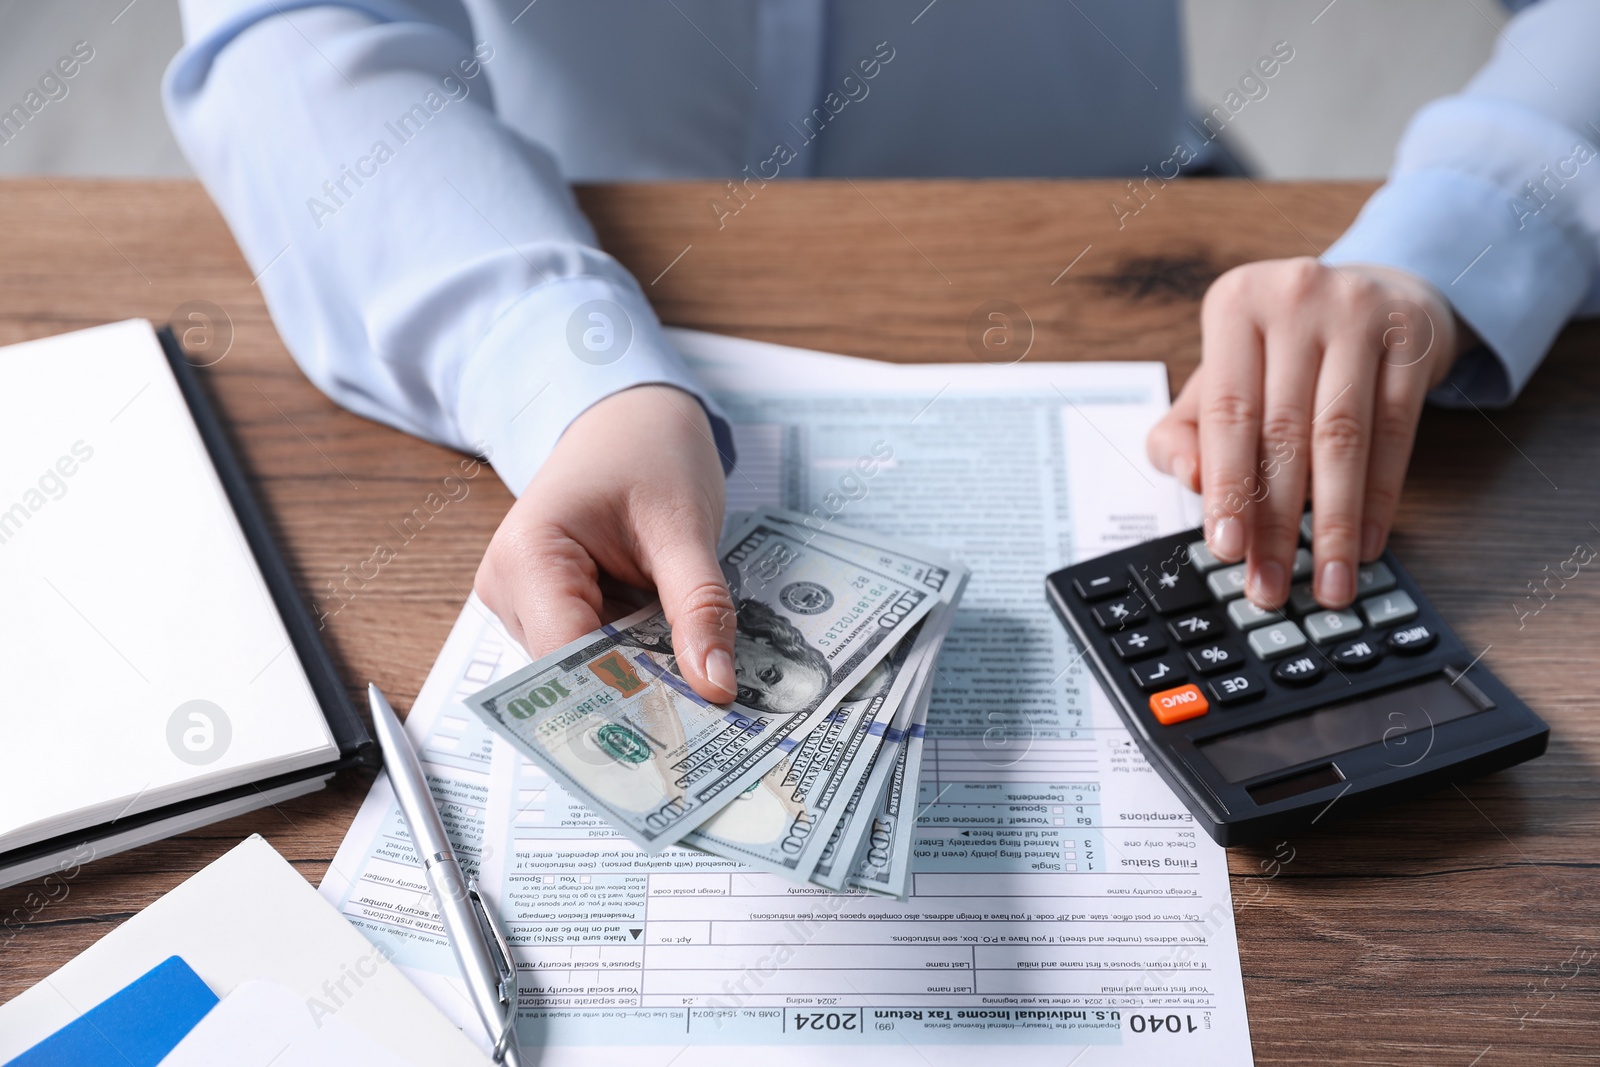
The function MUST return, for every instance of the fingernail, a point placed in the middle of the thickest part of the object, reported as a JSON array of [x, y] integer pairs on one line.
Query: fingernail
[[1371, 540], [719, 670], [1183, 469], [1269, 583], [1227, 539], [1335, 586]]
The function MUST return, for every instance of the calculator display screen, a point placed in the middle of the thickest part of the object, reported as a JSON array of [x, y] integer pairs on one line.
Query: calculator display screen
[[1395, 717]]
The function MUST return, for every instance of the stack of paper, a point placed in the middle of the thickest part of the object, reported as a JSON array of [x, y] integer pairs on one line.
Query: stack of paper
[[1059, 895]]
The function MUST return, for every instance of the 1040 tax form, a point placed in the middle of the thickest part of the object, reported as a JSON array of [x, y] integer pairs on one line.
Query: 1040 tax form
[[1063, 902]]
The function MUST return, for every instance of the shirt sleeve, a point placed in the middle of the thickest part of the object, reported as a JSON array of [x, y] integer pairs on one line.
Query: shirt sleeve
[[426, 265], [1495, 199]]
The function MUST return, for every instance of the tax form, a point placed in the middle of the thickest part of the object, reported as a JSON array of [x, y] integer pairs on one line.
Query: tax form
[[1064, 906]]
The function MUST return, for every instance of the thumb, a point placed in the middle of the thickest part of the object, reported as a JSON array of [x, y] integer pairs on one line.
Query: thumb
[[695, 597]]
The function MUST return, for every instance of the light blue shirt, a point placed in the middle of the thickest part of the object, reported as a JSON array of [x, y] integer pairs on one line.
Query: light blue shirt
[[396, 173]]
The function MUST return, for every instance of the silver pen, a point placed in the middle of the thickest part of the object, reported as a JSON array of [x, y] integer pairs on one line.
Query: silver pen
[[476, 937]]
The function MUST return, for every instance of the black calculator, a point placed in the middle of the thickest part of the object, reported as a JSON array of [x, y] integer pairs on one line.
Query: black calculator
[[1265, 721]]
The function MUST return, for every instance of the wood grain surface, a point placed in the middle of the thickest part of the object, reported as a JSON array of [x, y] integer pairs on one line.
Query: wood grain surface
[[1463, 928]]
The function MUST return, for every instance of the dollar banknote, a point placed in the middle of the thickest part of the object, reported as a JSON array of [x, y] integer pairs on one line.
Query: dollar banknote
[[781, 823], [610, 717], [785, 822], [884, 863], [862, 827], [851, 837], [842, 851]]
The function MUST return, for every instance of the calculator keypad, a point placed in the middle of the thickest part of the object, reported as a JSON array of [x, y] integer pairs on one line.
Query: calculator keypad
[[1260, 718], [1178, 620]]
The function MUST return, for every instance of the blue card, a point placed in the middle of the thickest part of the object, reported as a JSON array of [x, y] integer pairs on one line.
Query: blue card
[[134, 1027]]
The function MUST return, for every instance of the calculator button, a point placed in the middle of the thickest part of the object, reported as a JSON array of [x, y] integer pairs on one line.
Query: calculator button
[[1209, 659], [1097, 585], [1120, 613], [1235, 688], [1374, 578], [1132, 644], [1279, 639], [1412, 639], [1246, 616], [1302, 601], [1298, 670], [1201, 557], [1302, 564], [1355, 654], [1305, 527], [1176, 705], [1325, 626], [1389, 608], [1187, 629], [1156, 674], [1227, 583], [1166, 589]]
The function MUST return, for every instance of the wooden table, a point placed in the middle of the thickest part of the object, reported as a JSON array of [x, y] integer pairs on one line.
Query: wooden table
[[1459, 929]]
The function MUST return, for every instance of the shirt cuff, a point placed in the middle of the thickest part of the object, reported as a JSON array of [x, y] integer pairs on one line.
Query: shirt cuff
[[551, 356], [1514, 278]]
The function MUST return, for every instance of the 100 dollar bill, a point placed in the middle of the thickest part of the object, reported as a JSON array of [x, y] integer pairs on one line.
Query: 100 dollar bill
[[884, 865], [610, 717], [785, 822], [781, 823], [861, 826]]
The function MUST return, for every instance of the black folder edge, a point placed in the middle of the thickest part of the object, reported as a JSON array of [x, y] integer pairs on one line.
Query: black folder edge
[[356, 748]]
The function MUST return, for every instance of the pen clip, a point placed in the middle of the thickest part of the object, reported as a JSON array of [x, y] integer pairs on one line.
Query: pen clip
[[492, 929], [493, 932]]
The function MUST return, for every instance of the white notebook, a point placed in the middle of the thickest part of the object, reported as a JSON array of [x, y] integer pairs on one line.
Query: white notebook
[[142, 661]]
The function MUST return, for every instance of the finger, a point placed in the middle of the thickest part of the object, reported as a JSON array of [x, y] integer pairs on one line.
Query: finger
[[1174, 442], [1401, 391], [1292, 359], [1229, 416], [1340, 440], [543, 586], [681, 559]]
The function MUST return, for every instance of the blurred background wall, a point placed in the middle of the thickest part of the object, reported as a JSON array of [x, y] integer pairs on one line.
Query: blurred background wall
[[1361, 67]]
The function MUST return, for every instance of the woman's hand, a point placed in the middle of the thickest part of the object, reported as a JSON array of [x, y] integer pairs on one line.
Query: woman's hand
[[633, 490], [1307, 372]]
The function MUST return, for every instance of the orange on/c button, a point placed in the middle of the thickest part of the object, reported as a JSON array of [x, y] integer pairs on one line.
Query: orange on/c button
[[1175, 705]]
